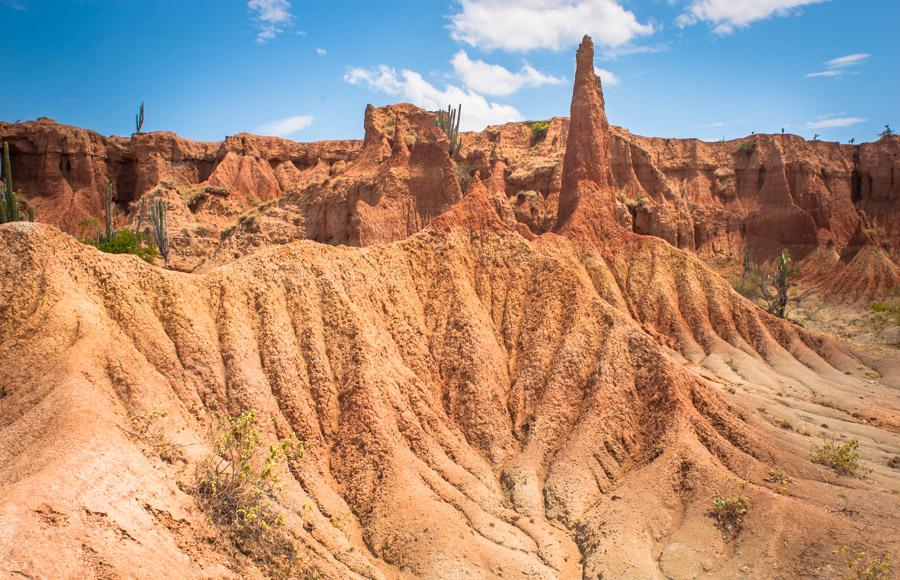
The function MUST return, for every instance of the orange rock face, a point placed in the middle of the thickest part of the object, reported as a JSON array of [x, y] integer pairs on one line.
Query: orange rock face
[[586, 175], [719, 200]]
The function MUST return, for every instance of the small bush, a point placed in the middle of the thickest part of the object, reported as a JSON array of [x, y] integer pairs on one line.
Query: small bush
[[538, 132], [146, 427], [748, 147], [862, 566], [125, 241], [844, 459], [463, 174], [729, 511], [781, 479], [238, 488]]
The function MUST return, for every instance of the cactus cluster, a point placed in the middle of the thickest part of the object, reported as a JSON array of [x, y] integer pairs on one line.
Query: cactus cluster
[[9, 203], [448, 121], [160, 228]]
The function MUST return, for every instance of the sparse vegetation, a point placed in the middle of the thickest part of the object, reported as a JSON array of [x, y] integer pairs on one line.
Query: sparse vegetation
[[448, 121], [238, 487], [538, 132], [863, 566], [123, 241], [748, 147], [770, 290], [463, 171], [882, 308], [887, 131], [160, 228], [843, 458], [779, 478], [732, 365], [730, 510], [146, 426]]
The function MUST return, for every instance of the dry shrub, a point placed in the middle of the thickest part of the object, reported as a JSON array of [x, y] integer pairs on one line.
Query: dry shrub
[[146, 426], [862, 566], [843, 458], [239, 489], [730, 509]]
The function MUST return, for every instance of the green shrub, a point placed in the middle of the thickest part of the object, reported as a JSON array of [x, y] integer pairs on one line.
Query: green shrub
[[538, 132], [882, 308], [748, 147], [238, 488], [862, 566], [729, 510], [146, 427], [843, 458], [124, 241]]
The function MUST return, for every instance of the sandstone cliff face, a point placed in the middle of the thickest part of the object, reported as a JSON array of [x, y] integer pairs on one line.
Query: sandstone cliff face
[[760, 193], [401, 179], [719, 200], [63, 173]]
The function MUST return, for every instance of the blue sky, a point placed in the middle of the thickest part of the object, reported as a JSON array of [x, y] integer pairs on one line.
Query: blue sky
[[305, 69]]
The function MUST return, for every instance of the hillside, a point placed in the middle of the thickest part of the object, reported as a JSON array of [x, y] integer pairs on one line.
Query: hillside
[[494, 371]]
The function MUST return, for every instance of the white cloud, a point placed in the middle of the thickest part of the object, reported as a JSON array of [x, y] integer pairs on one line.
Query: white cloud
[[837, 67], [492, 79], [321, 51], [523, 25], [849, 60], [607, 78], [284, 127], [477, 112], [726, 15], [827, 73], [271, 17], [836, 122]]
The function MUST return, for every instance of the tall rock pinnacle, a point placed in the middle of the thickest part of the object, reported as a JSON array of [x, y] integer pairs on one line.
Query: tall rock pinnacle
[[586, 166]]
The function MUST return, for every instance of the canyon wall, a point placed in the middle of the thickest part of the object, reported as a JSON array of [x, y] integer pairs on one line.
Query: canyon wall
[[825, 201]]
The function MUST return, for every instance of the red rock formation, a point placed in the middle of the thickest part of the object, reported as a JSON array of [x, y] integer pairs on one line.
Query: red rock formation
[[586, 174], [716, 199], [63, 171]]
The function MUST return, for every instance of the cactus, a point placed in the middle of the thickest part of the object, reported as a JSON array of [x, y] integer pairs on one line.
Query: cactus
[[160, 228], [139, 119], [9, 205], [448, 121], [138, 230], [107, 214]]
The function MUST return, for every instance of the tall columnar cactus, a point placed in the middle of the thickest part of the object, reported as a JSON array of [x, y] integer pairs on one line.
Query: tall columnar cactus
[[139, 119], [160, 228], [448, 121], [9, 205], [107, 214]]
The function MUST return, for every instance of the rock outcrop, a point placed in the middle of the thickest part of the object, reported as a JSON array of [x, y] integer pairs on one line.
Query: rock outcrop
[[586, 176], [719, 200]]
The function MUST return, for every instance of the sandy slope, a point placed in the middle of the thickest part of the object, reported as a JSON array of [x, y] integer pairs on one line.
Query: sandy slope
[[474, 404]]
